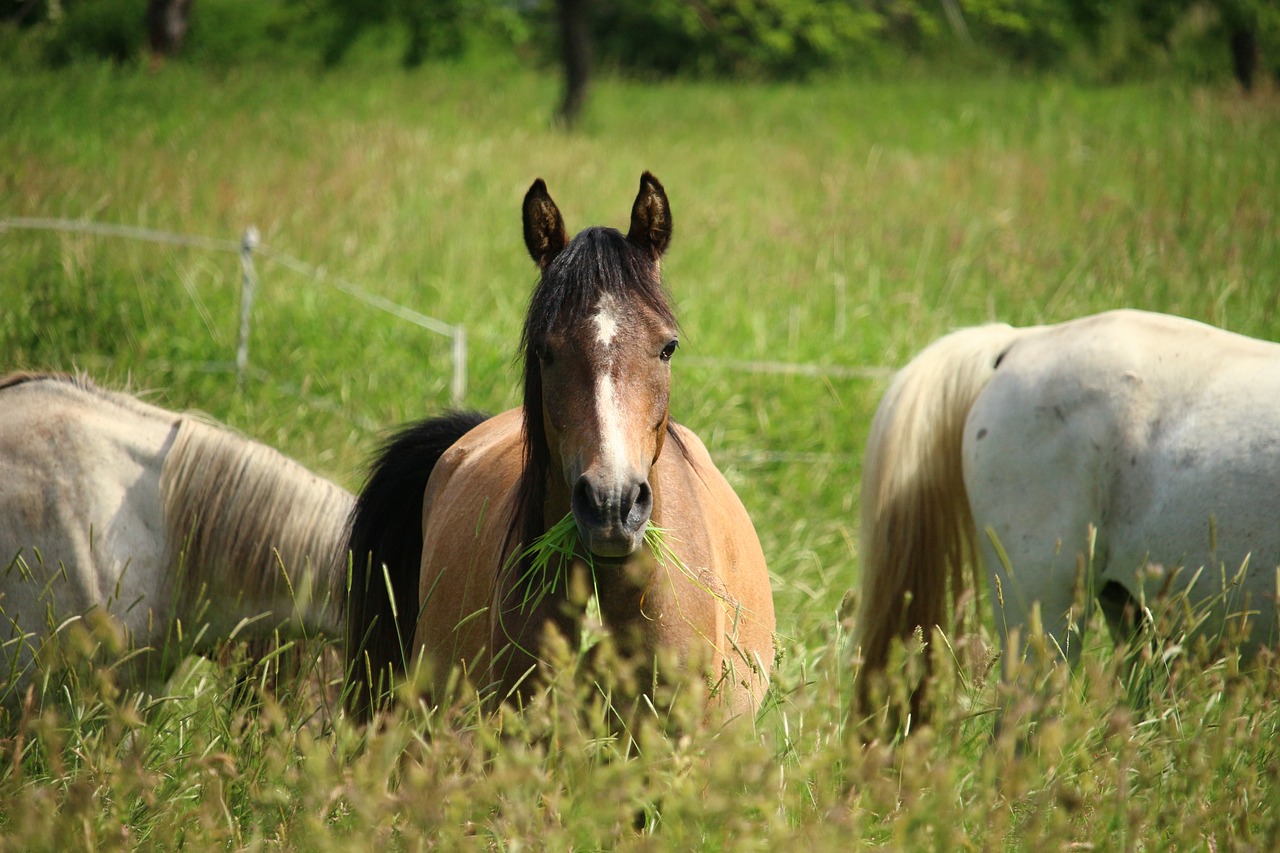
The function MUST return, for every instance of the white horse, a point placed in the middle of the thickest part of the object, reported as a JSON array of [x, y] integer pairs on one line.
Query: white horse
[[174, 527], [1004, 448]]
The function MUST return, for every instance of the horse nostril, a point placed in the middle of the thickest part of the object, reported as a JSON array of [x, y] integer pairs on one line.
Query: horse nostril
[[585, 504], [640, 505], [626, 501]]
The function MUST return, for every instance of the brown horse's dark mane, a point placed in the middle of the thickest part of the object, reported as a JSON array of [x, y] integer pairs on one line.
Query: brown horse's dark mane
[[598, 262]]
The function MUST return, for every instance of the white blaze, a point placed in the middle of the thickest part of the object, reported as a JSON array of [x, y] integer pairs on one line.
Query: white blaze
[[613, 440], [613, 445]]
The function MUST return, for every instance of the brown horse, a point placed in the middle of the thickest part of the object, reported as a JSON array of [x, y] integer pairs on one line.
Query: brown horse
[[593, 438]]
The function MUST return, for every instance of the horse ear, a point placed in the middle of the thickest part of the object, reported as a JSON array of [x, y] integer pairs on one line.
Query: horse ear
[[544, 232], [651, 217]]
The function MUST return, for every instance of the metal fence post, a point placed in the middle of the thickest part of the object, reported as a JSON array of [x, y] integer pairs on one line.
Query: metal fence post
[[248, 281]]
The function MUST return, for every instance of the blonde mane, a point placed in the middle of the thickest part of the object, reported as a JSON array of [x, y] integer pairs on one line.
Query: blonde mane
[[244, 518]]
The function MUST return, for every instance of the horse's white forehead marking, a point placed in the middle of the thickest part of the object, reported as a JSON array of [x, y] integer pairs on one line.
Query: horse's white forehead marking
[[606, 321]]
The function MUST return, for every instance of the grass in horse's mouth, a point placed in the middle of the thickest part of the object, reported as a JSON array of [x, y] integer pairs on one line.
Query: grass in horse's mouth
[[550, 555]]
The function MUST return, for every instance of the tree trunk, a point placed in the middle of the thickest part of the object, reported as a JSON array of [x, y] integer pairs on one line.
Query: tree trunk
[[1244, 55], [575, 49], [167, 22]]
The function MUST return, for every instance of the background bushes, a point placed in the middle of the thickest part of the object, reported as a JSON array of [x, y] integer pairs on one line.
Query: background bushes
[[1093, 40]]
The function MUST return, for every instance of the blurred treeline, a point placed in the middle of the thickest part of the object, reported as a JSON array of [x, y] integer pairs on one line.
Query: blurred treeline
[[1093, 40]]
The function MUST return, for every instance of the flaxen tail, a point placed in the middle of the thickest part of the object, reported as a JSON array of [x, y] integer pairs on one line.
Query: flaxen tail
[[917, 528], [385, 548]]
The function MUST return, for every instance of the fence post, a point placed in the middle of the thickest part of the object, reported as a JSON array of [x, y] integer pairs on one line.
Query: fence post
[[248, 281], [459, 365]]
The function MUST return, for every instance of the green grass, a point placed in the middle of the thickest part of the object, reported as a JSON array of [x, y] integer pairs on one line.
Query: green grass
[[840, 223]]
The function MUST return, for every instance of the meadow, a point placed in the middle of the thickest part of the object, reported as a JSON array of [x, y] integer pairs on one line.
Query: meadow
[[839, 225]]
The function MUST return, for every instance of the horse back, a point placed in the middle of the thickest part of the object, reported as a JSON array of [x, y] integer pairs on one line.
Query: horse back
[[77, 471]]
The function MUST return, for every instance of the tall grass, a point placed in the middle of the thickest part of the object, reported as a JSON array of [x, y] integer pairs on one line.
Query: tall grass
[[841, 223]]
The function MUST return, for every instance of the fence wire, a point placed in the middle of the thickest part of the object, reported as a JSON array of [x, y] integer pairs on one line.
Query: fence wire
[[249, 245]]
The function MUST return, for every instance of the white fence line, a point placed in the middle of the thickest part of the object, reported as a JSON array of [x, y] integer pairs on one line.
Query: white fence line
[[130, 232], [245, 248], [789, 368], [249, 244], [747, 456]]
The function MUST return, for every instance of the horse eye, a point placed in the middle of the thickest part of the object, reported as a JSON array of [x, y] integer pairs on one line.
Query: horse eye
[[545, 355], [669, 350]]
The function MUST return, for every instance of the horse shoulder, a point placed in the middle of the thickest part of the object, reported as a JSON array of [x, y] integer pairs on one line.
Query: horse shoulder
[[42, 496], [1203, 491], [702, 507]]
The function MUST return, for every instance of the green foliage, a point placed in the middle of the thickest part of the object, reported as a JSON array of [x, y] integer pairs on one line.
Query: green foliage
[[1029, 32], [97, 29], [755, 38], [226, 33], [1136, 39], [787, 39], [441, 29]]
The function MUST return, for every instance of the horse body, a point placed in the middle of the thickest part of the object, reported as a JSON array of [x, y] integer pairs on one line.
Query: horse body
[[592, 440], [1157, 433], [1160, 432], [154, 517], [688, 610]]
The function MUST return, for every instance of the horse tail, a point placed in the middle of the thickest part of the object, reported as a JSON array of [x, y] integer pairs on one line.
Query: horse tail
[[385, 545], [917, 527]]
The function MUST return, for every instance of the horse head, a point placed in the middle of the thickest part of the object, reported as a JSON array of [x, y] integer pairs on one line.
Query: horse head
[[598, 343]]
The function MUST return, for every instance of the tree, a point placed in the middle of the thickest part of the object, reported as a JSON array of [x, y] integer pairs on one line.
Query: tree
[[167, 23], [575, 51]]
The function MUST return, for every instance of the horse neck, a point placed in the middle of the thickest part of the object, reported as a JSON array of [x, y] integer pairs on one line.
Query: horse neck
[[252, 532]]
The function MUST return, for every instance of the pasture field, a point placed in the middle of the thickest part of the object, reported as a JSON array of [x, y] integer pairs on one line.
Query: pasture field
[[840, 224]]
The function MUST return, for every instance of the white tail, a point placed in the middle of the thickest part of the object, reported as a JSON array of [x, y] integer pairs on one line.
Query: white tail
[[917, 529]]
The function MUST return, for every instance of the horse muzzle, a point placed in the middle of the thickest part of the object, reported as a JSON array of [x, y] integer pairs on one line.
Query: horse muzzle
[[612, 517]]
